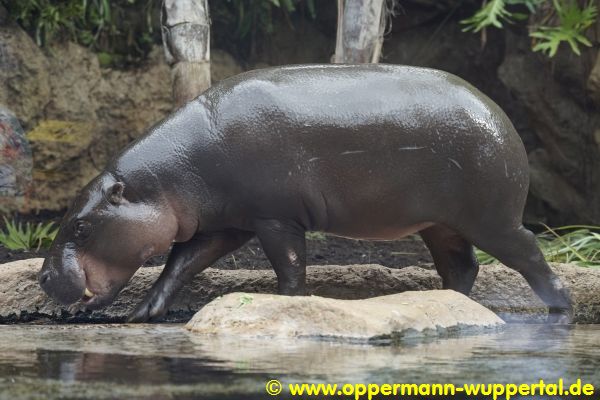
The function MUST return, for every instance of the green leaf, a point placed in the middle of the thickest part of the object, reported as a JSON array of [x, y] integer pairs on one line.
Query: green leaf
[[245, 299], [573, 22], [310, 4], [490, 14], [579, 245], [288, 5], [17, 236]]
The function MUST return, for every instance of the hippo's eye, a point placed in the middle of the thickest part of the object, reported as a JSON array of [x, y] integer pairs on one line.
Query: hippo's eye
[[82, 229]]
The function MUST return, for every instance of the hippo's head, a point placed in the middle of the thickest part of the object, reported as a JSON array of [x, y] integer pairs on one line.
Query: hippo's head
[[104, 238]]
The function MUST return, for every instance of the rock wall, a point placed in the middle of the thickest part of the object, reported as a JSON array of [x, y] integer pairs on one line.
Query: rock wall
[[560, 99], [78, 115], [553, 103]]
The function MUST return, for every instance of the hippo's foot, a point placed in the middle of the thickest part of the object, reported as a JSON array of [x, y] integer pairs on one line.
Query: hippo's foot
[[151, 308], [559, 317]]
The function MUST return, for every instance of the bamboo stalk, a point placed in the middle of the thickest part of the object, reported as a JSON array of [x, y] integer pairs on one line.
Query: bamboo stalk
[[186, 39]]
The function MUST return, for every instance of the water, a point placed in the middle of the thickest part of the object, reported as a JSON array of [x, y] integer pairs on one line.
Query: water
[[167, 362]]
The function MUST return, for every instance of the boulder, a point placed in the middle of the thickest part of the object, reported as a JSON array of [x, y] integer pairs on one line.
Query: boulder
[[15, 163], [63, 88], [61, 161], [497, 288], [24, 75], [563, 117], [593, 83], [392, 317]]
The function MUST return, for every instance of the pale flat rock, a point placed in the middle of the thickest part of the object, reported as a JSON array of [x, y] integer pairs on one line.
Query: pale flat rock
[[426, 313], [498, 288]]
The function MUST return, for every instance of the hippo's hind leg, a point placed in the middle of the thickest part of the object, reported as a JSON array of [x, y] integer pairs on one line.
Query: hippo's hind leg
[[517, 248], [453, 257], [284, 244]]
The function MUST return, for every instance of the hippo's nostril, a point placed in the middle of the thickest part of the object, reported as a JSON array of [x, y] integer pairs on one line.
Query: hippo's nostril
[[44, 276]]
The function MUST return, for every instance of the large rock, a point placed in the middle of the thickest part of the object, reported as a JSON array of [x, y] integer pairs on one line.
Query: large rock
[[24, 74], [65, 85], [497, 288], [566, 167], [396, 316], [593, 83], [62, 162], [15, 162], [64, 89]]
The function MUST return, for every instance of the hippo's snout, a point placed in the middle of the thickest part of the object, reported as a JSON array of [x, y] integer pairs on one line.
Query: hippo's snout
[[63, 281]]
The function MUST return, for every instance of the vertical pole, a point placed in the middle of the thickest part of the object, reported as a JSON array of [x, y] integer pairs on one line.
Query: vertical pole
[[360, 29], [186, 38]]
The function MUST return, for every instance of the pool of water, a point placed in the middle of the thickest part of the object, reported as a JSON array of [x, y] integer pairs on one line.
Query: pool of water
[[167, 362]]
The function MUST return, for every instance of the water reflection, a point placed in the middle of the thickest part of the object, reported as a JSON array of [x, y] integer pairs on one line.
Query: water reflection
[[165, 361]]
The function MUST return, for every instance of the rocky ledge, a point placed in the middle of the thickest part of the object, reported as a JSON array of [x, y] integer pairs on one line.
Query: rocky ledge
[[393, 317], [498, 288]]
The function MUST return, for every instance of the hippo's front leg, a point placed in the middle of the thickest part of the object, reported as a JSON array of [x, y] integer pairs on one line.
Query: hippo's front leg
[[284, 244], [186, 260]]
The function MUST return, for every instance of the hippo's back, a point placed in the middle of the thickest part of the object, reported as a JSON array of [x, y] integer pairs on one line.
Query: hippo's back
[[351, 135], [351, 95]]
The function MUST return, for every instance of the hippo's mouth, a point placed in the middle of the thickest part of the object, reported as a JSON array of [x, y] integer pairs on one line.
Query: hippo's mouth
[[88, 296], [90, 299], [96, 299], [93, 301], [96, 295]]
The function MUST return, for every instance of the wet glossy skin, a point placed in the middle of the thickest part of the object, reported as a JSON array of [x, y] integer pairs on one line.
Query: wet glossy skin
[[371, 151]]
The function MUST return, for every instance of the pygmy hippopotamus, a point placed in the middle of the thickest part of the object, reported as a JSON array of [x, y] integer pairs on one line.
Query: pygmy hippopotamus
[[361, 151]]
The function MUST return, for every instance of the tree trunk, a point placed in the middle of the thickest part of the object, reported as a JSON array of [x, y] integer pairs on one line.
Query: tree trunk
[[186, 39], [360, 29]]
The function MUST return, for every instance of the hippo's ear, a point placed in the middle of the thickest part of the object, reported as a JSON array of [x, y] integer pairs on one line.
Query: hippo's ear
[[115, 193]]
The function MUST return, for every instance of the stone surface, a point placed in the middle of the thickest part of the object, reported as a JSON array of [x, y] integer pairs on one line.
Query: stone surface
[[564, 118], [593, 83], [497, 288], [61, 161], [24, 74], [115, 106], [425, 313], [65, 84], [15, 162]]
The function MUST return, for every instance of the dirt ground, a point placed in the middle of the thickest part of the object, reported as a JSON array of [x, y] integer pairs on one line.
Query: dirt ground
[[321, 250]]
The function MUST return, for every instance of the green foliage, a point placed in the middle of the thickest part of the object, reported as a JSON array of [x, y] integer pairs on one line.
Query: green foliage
[[491, 14], [256, 16], [17, 236], [495, 12], [319, 236], [82, 19], [580, 244], [573, 21], [119, 28], [245, 299], [122, 31]]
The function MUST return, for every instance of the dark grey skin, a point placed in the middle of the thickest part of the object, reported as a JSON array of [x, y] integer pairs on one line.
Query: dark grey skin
[[362, 151]]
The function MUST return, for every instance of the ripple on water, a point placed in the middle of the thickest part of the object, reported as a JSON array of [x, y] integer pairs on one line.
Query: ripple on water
[[165, 361]]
